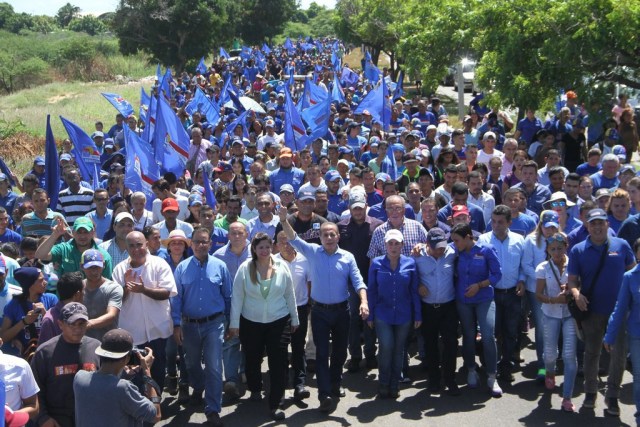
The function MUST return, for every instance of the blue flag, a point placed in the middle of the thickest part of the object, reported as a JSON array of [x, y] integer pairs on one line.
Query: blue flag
[[95, 177], [349, 77], [158, 73], [224, 54], [203, 105], [165, 87], [230, 93], [371, 72], [145, 100], [337, 95], [51, 166], [317, 119], [241, 120], [119, 103], [288, 45], [150, 122], [141, 169], [367, 56], [311, 95], [5, 170], [393, 169], [208, 192], [399, 91], [245, 53], [335, 61], [84, 149], [171, 141], [202, 67], [266, 49], [295, 134], [377, 103]]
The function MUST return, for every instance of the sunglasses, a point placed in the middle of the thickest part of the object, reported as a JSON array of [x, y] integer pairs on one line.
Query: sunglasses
[[558, 204], [556, 238]]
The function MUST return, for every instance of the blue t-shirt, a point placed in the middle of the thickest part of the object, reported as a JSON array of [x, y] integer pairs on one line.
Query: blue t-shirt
[[10, 236], [587, 169], [15, 312]]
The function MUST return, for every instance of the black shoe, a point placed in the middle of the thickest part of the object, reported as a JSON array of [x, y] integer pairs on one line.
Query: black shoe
[[612, 407], [301, 393], [353, 366], [196, 398], [434, 387], [213, 419], [453, 390], [183, 394], [255, 396], [394, 393], [311, 365], [326, 403], [277, 415], [506, 375], [371, 363], [172, 385], [337, 391]]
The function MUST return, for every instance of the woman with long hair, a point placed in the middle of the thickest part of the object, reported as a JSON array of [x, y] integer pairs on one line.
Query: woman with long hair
[[618, 208], [515, 176], [551, 291], [535, 252], [264, 314]]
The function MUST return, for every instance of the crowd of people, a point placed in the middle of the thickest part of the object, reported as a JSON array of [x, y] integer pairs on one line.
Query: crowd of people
[[365, 242]]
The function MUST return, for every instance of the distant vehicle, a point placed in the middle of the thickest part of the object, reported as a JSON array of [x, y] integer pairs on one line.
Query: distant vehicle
[[234, 55], [468, 73]]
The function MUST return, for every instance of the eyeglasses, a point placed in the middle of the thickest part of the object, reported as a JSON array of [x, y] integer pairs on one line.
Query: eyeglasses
[[395, 208], [558, 204], [200, 242], [556, 238], [101, 199]]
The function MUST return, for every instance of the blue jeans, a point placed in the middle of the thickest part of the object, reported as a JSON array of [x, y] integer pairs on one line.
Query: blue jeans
[[330, 328], [392, 339], [508, 313], [173, 350], [536, 313], [552, 326], [634, 349], [484, 313], [356, 326], [232, 360], [158, 369], [203, 342]]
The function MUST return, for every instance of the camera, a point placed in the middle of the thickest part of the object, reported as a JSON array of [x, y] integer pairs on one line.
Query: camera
[[136, 354]]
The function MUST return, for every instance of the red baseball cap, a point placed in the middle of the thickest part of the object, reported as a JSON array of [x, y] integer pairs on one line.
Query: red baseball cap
[[170, 204], [15, 419], [460, 210]]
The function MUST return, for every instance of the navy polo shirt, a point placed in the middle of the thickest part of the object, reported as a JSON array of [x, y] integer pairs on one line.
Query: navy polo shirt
[[537, 197], [476, 214], [600, 181], [528, 128], [584, 259]]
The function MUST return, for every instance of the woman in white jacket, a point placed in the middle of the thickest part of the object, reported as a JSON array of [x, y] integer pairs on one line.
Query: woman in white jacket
[[264, 313]]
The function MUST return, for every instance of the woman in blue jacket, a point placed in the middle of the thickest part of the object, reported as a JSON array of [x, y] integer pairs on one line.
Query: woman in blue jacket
[[477, 269], [629, 303], [394, 307]]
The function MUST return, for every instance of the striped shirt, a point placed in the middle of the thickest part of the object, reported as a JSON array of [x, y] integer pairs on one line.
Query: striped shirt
[[33, 225], [412, 231], [117, 256], [75, 205]]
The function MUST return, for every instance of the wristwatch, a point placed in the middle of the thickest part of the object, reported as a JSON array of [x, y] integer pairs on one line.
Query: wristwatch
[[155, 399]]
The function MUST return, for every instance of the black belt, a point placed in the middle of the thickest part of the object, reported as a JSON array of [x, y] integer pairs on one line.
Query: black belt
[[338, 306], [504, 291], [438, 305], [202, 319]]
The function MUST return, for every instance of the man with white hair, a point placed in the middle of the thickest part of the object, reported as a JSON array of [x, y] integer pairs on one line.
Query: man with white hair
[[141, 216], [608, 176]]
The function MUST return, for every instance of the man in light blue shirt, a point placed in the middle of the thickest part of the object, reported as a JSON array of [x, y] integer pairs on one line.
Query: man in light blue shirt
[[435, 267], [198, 311], [509, 289], [332, 269], [101, 215]]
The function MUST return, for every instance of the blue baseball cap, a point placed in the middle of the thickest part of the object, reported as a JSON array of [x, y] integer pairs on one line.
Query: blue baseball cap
[[550, 219], [332, 176], [92, 258], [39, 161]]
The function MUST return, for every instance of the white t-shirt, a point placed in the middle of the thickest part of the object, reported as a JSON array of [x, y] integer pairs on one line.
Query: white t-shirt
[[299, 268], [484, 157], [552, 289], [183, 203], [19, 382]]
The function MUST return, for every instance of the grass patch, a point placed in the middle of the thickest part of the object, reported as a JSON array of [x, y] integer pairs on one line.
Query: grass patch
[[79, 102], [355, 56]]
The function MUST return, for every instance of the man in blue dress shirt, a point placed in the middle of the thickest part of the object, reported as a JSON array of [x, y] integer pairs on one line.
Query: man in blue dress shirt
[[198, 312], [332, 269]]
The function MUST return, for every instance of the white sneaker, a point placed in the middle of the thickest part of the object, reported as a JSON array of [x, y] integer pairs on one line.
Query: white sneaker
[[472, 379], [496, 391]]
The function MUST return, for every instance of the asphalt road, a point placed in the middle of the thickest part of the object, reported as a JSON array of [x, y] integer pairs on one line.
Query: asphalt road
[[523, 403]]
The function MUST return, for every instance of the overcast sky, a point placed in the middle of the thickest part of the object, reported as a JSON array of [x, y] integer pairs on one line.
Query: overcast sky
[[50, 7]]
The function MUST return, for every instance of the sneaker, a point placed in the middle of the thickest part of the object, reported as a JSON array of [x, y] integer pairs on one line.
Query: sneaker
[[612, 407], [337, 391], [589, 401], [172, 385], [541, 375], [550, 382], [472, 379], [568, 406], [183, 394], [301, 393], [277, 415], [326, 403], [496, 391], [405, 380], [353, 366], [231, 391]]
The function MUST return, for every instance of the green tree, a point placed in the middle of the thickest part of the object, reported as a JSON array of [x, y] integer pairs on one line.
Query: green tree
[[88, 24], [263, 19], [19, 73], [66, 14], [174, 31], [19, 22], [6, 12], [43, 24]]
